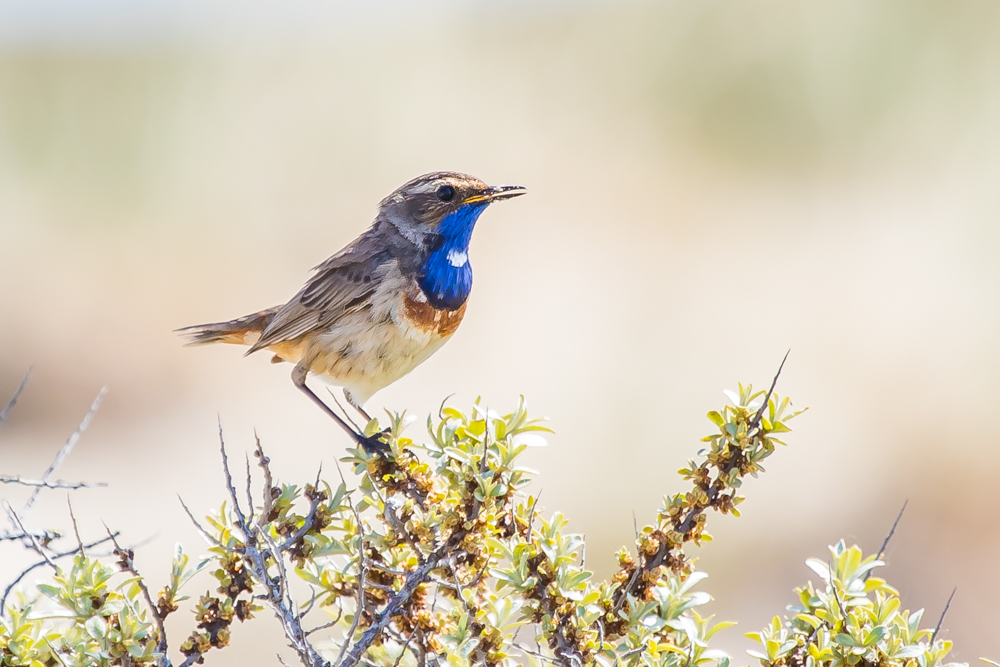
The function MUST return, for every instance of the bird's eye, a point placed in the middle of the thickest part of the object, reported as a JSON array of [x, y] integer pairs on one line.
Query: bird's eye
[[446, 193]]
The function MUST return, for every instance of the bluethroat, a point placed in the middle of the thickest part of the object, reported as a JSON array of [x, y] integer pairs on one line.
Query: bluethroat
[[377, 309]]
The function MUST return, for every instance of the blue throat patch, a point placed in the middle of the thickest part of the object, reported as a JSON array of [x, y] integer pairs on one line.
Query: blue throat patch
[[447, 274]]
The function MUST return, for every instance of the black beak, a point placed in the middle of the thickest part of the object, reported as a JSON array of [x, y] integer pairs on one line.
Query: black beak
[[500, 192]]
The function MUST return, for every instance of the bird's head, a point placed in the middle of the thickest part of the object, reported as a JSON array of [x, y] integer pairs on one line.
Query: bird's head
[[441, 203], [436, 213]]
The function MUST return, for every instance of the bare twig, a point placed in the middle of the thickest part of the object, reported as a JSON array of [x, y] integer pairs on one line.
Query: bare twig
[[399, 658], [65, 450], [53, 651], [312, 602], [362, 575], [17, 394], [885, 542], [265, 465], [479, 577], [340, 473], [44, 536], [31, 538], [249, 496], [392, 506], [127, 563], [453, 566], [635, 651], [310, 521], [833, 588], [947, 606], [346, 413], [229, 482], [328, 624], [76, 529], [201, 531], [441, 409], [531, 512], [358, 613], [892, 531], [540, 656], [45, 484], [767, 397], [307, 525]]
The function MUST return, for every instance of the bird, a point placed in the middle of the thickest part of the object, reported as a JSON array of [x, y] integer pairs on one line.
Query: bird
[[382, 305]]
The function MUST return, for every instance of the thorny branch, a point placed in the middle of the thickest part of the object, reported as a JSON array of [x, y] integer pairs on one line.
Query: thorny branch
[[666, 542], [277, 594], [279, 599], [687, 524], [269, 488], [17, 394], [419, 576]]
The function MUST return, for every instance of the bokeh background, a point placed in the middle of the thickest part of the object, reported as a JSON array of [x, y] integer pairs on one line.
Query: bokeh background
[[711, 184]]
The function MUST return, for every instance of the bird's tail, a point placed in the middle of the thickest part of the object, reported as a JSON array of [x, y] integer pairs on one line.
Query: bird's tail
[[241, 331]]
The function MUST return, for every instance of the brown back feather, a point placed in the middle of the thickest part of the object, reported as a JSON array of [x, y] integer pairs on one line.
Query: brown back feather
[[342, 284]]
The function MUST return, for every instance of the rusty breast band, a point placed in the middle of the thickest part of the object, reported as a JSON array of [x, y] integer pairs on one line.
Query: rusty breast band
[[427, 318]]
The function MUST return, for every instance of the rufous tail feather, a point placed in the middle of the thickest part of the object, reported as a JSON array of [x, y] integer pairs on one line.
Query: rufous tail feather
[[241, 331]]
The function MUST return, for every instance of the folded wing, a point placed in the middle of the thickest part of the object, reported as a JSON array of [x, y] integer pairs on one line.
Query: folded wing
[[341, 285]]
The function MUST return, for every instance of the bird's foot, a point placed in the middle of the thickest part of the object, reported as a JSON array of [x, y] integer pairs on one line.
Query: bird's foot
[[374, 444]]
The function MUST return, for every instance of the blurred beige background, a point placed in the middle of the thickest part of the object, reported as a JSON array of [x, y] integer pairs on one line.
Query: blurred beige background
[[710, 184]]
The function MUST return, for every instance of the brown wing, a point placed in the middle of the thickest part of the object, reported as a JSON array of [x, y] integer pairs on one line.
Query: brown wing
[[342, 284]]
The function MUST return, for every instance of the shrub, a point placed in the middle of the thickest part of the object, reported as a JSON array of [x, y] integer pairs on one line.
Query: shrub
[[435, 556]]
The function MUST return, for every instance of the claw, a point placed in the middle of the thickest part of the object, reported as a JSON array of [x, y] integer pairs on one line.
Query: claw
[[373, 444]]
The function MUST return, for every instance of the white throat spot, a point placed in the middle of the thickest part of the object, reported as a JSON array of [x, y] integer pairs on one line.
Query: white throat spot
[[457, 258]]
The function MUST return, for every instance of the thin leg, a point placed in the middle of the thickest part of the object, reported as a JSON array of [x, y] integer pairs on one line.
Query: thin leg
[[347, 416], [354, 404], [372, 445]]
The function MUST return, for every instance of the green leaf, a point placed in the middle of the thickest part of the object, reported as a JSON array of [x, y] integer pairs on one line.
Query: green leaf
[[875, 636], [96, 627]]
